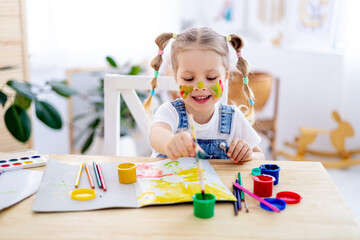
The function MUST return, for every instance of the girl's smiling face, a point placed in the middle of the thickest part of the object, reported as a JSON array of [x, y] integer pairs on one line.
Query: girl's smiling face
[[200, 73]]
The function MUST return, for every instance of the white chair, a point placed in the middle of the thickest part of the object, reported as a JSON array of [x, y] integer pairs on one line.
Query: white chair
[[114, 85]]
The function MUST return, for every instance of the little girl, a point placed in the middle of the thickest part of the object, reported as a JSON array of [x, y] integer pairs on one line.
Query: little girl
[[200, 61]]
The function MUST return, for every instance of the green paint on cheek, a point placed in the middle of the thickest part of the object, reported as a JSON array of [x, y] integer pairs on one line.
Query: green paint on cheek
[[217, 89], [200, 84]]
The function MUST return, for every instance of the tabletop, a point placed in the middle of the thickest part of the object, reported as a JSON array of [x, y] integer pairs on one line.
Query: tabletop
[[322, 213]]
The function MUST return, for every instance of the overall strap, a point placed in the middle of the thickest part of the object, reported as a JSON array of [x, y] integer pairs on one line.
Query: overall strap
[[180, 108], [226, 117]]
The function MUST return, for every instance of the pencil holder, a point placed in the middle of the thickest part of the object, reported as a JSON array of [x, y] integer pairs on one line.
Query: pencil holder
[[271, 169], [263, 185], [204, 208], [126, 172]]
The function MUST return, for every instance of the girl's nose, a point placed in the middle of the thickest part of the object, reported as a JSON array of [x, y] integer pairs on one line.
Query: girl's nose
[[200, 86]]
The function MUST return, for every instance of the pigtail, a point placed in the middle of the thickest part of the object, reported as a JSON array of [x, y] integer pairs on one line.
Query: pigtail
[[161, 41], [238, 43]]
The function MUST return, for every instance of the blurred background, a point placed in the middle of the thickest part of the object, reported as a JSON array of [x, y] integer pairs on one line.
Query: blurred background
[[307, 48]]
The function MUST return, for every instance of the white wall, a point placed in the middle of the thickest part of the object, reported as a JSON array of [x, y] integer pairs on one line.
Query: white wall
[[351, 101], [70, 34], [311, 87], [65, 34]]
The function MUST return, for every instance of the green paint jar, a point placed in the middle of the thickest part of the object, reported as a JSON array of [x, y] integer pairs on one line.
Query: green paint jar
[[204, 208]]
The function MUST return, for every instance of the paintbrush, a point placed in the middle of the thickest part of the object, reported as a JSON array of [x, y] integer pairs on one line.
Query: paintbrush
[[200, 154]]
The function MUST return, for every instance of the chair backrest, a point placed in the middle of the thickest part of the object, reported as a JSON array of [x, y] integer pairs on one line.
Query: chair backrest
[[114, 85]]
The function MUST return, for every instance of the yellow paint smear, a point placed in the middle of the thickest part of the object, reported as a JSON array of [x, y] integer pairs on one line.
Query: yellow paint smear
[[181, 191]]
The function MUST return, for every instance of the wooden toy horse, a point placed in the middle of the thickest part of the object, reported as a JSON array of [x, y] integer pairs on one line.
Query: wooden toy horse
[[342, 158]]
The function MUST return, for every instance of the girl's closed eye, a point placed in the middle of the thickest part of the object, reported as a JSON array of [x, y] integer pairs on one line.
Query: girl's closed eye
[[211, 78], [188, 79]]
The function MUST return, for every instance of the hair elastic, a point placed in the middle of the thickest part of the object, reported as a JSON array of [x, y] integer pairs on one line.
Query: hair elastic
[[245, 80], [156, 74], [152, 92], [174, 36], [228, 38], [238, 54], [161, 52], [251, 102]]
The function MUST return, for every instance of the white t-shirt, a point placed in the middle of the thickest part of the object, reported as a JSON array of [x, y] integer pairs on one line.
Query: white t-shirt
[[240, 128]]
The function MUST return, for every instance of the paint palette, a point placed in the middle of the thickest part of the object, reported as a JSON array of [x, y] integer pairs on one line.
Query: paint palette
[[22, 162]]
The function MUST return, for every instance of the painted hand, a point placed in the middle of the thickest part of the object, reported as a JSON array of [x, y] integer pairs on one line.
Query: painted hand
[[181, 145], [239, 150]]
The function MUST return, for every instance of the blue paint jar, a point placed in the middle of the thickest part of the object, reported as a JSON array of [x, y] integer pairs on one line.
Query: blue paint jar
[[271, 169]]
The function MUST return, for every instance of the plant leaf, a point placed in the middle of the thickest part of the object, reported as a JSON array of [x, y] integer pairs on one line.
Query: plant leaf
[[94, 123], [7, 68], [135, 70], [3, 98], [22, 101], [48, 114], [22, 88], [18, 123], [82, 115], [111, 61], [62, 88], [88, 142]]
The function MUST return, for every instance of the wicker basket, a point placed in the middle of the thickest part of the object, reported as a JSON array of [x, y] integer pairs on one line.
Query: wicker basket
[[259, 82]]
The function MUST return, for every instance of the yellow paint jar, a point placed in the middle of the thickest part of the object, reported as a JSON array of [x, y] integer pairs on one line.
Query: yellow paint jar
[[127, 173]]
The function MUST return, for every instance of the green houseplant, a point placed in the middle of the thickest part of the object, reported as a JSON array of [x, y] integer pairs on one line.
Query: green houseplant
[[94, 116], [20, 95]]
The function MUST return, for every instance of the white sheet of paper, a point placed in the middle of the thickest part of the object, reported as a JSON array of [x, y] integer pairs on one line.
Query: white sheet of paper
[[17, 185]]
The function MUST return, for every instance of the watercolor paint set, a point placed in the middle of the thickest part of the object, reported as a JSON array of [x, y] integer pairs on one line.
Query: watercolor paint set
[[22, 162]]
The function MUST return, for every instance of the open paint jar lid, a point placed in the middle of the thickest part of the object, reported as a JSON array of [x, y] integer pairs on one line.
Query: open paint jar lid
[[289, 197], [256, 171], [280, 204]]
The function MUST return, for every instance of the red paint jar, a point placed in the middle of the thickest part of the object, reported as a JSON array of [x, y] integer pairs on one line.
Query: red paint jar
[[263, 185]]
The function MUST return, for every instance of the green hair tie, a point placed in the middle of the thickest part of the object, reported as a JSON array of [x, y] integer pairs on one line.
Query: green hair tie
[[245, 80], [156, 74]]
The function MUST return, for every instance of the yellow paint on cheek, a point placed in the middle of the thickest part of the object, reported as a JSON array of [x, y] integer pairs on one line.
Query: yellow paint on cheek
[[217, 89], [185, 90]]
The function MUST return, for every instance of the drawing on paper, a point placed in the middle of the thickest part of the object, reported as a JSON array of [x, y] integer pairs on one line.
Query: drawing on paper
[[175, 181]]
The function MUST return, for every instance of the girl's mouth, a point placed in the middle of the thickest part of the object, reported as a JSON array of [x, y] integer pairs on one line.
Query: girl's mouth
[[201, 99]]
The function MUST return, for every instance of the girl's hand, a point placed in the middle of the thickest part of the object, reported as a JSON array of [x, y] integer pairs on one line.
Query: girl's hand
[[239, 150], [180, 145]]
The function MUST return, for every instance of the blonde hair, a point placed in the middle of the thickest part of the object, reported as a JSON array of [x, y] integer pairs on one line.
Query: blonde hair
[[206, 39]]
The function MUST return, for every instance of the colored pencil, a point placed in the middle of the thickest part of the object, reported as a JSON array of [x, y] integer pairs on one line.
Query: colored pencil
[[89, 176], [199, 152], [101, 177], [272, 207], [238, 196], [236, 208], [240, 182], [245, 203], [97, 175], [78, 176], [243, 197]]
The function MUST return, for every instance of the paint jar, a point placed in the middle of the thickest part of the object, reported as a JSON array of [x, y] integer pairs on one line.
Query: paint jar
[[263, 185], [204, 207], [271, 169], [126, 172]]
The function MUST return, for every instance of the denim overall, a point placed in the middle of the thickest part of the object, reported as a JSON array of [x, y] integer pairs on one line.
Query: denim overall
[[210, 146]]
